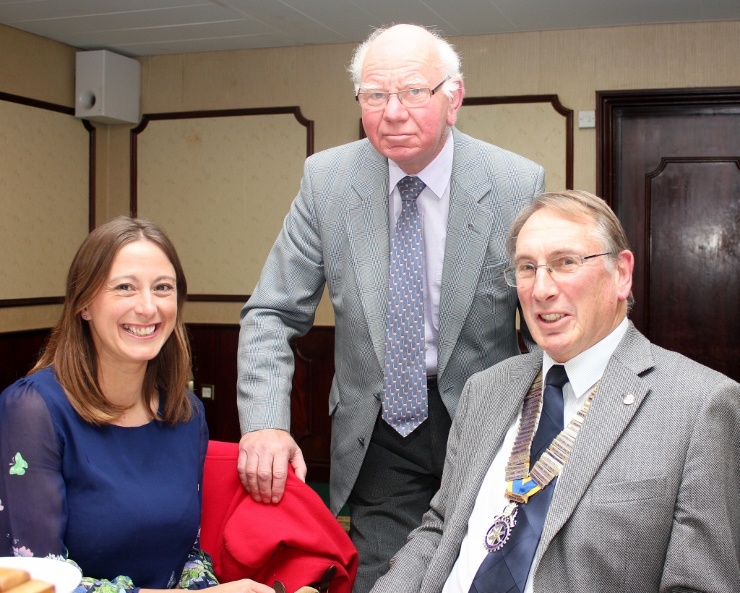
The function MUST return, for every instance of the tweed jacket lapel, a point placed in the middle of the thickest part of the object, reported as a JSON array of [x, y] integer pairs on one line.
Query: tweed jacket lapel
[[489, 425], [369, 243], [606, 421], [468, 232]]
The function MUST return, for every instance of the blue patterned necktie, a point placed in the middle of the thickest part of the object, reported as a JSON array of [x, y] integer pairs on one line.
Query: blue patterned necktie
[[405, 401], [506, 570]]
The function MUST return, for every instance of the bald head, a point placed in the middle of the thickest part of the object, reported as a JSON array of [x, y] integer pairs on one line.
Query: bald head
[[407, 95], [409, 39]]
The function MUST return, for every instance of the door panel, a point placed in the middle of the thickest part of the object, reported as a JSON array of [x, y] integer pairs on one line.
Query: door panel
[[669, 165], [692, 268]]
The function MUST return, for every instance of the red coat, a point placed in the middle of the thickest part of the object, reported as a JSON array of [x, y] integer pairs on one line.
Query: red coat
[[294, 541]]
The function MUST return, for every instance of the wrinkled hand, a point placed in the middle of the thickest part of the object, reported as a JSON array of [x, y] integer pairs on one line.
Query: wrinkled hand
[[263, 463]]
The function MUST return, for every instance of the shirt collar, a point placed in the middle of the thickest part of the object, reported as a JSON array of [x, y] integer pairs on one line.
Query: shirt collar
[[436, 175], [587, 368]]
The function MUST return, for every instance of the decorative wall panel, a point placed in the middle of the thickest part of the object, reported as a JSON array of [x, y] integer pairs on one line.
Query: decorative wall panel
[[46, 197], [220, 183], [535, 126]]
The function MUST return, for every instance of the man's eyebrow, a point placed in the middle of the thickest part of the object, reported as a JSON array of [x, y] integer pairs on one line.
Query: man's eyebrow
[[412, 83], [551, 255]]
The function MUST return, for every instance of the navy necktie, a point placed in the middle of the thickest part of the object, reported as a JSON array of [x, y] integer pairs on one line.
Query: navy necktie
[[506, 570], [405, 401]]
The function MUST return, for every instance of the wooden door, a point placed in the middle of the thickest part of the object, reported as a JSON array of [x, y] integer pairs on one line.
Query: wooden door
[[669, 165]]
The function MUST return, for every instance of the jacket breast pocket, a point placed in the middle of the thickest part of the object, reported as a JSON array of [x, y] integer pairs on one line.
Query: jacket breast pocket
[[632, 491]]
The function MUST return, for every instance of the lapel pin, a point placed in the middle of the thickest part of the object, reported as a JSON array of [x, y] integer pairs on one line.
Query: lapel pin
[[628, 399]]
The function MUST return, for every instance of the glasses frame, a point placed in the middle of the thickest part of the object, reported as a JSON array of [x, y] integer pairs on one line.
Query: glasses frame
[[511, 270], [399, 94]]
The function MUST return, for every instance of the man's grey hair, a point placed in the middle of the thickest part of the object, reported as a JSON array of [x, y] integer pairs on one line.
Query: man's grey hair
[[449, 60], [578, 205]]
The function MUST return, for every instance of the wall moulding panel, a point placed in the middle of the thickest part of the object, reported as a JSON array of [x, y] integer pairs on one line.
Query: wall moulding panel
[[220, 183], [47, 196], [535, 126]]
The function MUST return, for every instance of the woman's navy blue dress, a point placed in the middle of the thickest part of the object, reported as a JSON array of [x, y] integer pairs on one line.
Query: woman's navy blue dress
[[116, 500]]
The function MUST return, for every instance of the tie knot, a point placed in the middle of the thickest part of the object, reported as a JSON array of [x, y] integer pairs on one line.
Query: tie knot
[[557, 376], [410, 187]]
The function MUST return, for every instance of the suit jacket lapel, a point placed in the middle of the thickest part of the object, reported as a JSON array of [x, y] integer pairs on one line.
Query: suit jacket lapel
[[607, 419], [468, 232], [369, 240]]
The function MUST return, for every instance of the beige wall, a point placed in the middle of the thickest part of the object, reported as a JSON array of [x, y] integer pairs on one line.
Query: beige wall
[[572, 64], [40, 69], [36, 67]]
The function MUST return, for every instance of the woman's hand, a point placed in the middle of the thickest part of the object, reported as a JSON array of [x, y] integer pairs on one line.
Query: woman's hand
[[241, 586]]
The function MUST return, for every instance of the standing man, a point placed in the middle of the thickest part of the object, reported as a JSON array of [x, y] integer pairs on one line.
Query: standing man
[[407, 229], [637, 488]]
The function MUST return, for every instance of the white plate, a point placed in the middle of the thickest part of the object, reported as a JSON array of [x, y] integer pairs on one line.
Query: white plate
[[64, 576]]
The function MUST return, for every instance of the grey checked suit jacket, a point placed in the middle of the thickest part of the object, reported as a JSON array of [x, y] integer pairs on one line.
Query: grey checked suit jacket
[[647, 502], [336, 233]]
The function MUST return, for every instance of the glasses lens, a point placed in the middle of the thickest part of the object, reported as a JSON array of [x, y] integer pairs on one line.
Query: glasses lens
[[373, 100], [414, 97], [566, 264]]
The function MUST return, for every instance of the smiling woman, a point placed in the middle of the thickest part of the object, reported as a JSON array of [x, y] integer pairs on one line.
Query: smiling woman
[[106, 445], [118, 273], [130, 320]]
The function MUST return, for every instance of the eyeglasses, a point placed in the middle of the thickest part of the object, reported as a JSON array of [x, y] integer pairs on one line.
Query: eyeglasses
[[410, 98], [560, 267]]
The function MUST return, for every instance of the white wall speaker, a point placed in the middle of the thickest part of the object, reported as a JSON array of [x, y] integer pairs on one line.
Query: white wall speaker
[[107, 87]]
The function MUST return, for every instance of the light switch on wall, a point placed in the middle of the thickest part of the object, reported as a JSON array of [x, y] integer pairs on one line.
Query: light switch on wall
[[207, 392], [586, 119]]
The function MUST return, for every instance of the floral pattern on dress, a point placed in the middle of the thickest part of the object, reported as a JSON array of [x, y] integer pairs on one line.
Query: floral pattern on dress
[[198, 571], [18, 466], [196, 574]]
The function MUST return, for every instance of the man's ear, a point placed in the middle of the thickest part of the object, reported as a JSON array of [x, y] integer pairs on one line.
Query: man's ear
[[625, 266], [455, 103]]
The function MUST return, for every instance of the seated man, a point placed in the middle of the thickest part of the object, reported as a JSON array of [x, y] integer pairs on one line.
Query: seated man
[[639, 492]]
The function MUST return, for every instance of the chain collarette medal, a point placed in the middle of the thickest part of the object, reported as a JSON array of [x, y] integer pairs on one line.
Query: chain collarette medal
[[522, 484]]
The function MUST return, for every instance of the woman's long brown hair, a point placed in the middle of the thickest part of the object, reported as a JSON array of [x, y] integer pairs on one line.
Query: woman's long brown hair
[[70, 348]]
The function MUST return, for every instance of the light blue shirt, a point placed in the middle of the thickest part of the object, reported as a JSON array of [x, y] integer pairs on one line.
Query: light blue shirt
[[434, 206]]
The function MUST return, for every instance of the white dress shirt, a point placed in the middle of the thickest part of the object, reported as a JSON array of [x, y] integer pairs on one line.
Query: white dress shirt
[[583, 372], [434, 206]]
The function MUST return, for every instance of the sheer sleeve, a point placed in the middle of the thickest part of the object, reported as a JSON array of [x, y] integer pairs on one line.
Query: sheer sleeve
[[196, 574], [121, 584], [198, 570], [31, 478]]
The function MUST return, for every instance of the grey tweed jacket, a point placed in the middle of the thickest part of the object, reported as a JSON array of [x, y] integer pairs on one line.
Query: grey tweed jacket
[[647, 502], [336, 234]]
